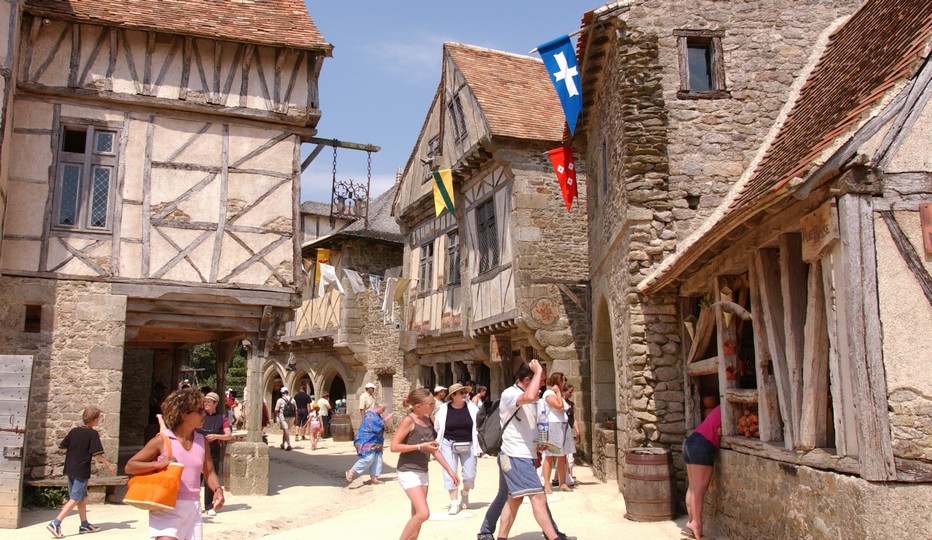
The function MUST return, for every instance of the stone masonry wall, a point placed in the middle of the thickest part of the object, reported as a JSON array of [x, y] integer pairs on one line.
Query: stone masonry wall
[[669, 162], [752, 497], [548, 244], [78, 361]]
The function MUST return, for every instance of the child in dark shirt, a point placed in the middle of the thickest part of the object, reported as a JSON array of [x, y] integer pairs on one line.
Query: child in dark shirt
[[81, 443]]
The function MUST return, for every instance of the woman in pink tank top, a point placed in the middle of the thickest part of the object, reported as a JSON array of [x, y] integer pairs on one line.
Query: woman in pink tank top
[[183, 412]]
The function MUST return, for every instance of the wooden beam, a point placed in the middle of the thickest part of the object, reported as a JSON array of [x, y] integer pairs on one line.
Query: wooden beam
[[692, 401], [865, 345], [814, 418], [845, 423], [768, 405], [768, 272], [728, 359], [344, 144], [699, 368], [908, 252], [793, 289]]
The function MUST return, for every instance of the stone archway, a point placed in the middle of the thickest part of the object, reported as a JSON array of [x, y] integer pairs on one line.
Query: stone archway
[[605, 396]]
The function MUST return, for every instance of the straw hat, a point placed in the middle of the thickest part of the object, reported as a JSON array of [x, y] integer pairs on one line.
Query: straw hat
[[456, 387]]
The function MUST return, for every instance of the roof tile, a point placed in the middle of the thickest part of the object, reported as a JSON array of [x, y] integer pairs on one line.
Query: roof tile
[[514, 92], [263, 22]]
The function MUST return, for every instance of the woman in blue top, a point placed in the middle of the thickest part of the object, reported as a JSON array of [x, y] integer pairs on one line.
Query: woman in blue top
[[370, 439]]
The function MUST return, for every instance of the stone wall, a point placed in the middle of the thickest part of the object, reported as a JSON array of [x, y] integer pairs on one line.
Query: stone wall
[[669, 162], [605, 454], [78, 361], [134, 404], [752, 497]]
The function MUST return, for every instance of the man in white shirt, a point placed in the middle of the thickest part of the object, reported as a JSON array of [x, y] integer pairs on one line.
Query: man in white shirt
[[517, 469], [366, 400], [324, 404]]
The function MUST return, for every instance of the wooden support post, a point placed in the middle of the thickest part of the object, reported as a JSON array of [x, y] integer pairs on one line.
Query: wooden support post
[[768, 270], [768, 406], [845, 423], [728, 361], [814, 419], [693, 403], [254, 388], [793, 288], [705, 327], [862, 324]]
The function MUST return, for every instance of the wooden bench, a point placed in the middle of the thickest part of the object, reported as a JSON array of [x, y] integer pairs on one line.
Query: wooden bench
[[98, 488]]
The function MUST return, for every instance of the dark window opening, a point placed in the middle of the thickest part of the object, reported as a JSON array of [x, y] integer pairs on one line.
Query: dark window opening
[[426, 270], [86, 169], [702, 64], [33, 319], [453, 258], [74, 141], [488, 236], [699, 61], [457, 118]]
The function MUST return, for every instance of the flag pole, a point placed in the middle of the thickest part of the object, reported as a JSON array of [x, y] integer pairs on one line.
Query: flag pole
[[571, 34]]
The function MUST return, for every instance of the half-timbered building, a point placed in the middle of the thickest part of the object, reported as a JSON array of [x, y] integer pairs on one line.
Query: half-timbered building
[[503, 279], [825, 242], [151, 187], [341, 340]]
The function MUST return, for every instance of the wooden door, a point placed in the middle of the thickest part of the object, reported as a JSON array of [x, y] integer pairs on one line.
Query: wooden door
[[15, 380]]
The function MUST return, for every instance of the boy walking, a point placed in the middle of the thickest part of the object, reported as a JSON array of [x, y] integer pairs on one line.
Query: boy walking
[[81, 444]]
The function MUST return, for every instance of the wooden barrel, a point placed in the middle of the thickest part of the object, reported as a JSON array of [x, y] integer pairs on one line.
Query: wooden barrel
[[648, 485], [341, 428]]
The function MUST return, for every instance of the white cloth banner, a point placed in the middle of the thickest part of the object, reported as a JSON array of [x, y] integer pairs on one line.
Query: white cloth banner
[[355, 280], [388, 303], [376, 282], [328, 274]]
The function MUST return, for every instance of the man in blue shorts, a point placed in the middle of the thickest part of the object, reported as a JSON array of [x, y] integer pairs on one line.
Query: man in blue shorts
[[517, 477]]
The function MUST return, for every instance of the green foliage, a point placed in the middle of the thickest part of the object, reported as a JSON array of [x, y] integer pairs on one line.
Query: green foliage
[[202, 356], [44, 497]]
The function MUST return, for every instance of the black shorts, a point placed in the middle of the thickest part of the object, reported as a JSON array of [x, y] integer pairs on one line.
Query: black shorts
[[697, 450], [300, 419]]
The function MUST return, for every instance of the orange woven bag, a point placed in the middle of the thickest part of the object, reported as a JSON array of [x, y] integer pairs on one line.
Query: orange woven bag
[[156, 490]]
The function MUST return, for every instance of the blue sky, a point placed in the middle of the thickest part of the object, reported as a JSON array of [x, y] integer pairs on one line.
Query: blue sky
[[386, 66]]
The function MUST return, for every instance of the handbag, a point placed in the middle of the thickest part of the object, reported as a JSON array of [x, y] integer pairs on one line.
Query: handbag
[[462, 447], [156, 490]]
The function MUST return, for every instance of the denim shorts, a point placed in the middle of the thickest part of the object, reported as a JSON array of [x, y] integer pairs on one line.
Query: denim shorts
[[77, 488], [697, 450], [520, 476]]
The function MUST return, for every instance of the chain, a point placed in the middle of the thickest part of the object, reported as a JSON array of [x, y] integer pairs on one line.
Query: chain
[[334, 163], [369, 166]]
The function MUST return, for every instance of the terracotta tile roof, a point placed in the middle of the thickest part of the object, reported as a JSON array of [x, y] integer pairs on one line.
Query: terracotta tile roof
[[865, 57], [264, 22], [514, 91]]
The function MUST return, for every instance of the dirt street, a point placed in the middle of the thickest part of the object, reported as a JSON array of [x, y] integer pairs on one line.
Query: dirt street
[[308, 498]]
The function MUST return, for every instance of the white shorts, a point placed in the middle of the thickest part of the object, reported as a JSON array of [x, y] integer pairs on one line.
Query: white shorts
[[410, 479], [182, 522]]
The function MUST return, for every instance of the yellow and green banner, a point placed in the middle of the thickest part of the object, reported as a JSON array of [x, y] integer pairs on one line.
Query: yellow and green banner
[[443, 190]]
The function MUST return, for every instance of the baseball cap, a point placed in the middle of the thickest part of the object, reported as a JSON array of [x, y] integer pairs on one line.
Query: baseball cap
[[284, 390], [439, 388], [370, 385]]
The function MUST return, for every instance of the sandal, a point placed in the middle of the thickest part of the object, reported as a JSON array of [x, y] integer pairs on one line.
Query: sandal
[[349, 475]]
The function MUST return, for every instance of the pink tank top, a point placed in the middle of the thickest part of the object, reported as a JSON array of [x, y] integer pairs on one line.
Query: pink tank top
[[193, 461], [709, 428]]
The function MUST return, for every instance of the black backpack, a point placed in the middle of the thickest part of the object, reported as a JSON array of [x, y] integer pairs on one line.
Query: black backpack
[[289, 409], [490, 428]]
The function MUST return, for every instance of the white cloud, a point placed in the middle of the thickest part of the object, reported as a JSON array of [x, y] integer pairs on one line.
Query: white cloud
[[416, 61]]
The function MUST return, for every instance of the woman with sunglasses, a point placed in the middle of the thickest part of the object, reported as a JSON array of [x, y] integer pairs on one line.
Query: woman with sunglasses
[[455, 423], [183, 413]]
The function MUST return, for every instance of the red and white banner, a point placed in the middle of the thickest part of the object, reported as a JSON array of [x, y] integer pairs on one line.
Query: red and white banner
[[563, 165]]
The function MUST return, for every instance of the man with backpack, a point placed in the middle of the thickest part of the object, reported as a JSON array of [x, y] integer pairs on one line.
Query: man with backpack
[[517, 477], [285, 410]]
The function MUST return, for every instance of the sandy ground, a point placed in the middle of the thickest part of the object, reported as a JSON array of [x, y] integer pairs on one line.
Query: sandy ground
[[308, 497]]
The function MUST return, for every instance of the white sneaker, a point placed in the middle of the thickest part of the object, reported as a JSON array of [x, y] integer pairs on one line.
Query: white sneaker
[[211, 513], [464, 500], [454, 508]]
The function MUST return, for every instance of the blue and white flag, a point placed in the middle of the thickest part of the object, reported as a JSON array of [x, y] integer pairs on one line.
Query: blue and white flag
[[560, 60]]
